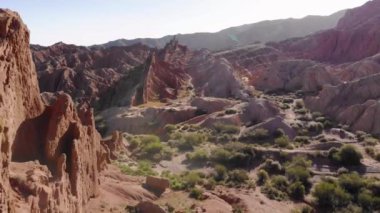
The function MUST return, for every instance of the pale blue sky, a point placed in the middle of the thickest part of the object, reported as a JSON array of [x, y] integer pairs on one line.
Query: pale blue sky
[[87, 22]]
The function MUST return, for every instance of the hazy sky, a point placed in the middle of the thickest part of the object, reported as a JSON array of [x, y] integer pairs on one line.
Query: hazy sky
[[86, 22]]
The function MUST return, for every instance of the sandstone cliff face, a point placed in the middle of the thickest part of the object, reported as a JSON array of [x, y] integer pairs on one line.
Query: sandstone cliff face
[[19, 96], [356, 36], [354, 103], [173, 73], [82, 72], [50, 152], [271, 70]]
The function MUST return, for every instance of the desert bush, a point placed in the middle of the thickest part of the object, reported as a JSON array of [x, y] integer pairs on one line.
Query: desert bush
[[351, 182], [330, 195], [287, 101], [233, 154], [144, 168], [226, 128], [220, 172], [280, 182], [299, 104], [370, 151], [256, 134], [198, 156], [347, 155], [238, 176], [273, 193], [298, 170], [272, 167], [187, 140], [297, 190], [370, 141], [315, 127], [327, 124], [366, 199], [170, 128], [220, 155], [278, 133], [262, 177], [197, 193], [282, 141], [301, 111], [302, 139], [230, 111]]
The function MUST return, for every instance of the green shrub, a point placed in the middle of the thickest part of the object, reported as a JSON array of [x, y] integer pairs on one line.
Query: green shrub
[[327, 124], [170, 128], [297, 190], [366, 199], [188, 140], [226, 128], [198, 156], [287, 101], [273, 193], [329, 195], [298, 170], [262, 177], [351, 182], [299, 104], [315, 127], [301, 111], [279, 182], [144, 168], [272, 167], [220, 172], [233, 154], [256, 134], [238, 176], [282, 141], [370, 141], [230, 111], [220, 155], [152, 148], [197, 193], [302, 139], [348, 155], [278, 133]]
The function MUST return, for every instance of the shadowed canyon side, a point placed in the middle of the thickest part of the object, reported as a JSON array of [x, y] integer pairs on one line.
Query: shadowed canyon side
[[50, 151], [82, 72]]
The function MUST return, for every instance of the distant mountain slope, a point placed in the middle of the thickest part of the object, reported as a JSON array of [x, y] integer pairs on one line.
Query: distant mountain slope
[[264, 31]]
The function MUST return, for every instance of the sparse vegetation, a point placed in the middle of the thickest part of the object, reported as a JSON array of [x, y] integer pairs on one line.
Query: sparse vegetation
[[347, 155]]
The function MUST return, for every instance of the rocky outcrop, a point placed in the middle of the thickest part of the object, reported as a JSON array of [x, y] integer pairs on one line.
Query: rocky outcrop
[[359, 69], [215, 77], [175, 72], [356, 36], [82, 72], [157, 184], [149, 120], [59, 139], [271, 125], [354, 103], [270, 70]]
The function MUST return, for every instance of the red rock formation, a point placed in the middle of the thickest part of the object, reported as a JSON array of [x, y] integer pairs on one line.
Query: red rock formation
[[353, 103], [272, 70], [56, 135], [19, 96], [82, 72], [356, 36]]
